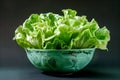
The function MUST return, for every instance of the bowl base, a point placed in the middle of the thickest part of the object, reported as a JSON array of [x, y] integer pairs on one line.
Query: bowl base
[[59, 74]]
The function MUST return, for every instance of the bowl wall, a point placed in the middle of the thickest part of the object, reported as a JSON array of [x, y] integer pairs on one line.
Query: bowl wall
[[60, 60]]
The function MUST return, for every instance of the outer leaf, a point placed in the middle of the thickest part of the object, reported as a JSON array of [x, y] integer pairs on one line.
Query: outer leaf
[[103, 36]]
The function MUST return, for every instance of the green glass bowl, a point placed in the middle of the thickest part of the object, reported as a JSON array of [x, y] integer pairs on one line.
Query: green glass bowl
[[60, 60]]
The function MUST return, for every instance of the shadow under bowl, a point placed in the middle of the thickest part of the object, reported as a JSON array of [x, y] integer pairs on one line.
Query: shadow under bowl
[[63, 61]]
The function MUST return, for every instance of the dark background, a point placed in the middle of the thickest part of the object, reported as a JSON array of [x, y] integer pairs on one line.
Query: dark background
[[14, 12]]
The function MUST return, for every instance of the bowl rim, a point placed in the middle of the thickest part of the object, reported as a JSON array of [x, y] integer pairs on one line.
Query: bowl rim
[[60, 49]]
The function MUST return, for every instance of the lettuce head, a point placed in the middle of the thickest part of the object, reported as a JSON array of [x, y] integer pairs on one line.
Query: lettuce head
[[67, 31]]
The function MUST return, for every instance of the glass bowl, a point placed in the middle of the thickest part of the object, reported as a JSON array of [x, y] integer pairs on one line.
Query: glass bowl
[[64, 61]]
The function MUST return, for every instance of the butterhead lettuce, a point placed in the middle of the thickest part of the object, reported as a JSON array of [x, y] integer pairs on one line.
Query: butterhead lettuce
[[67, 31]]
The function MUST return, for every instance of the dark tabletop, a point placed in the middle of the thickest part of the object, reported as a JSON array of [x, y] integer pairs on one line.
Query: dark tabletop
[[32, 73]]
